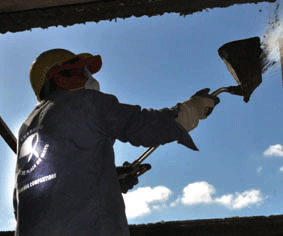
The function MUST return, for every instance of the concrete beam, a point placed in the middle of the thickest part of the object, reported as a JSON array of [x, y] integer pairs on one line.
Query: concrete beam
[[235, 226], [20, 15], [9, 6]]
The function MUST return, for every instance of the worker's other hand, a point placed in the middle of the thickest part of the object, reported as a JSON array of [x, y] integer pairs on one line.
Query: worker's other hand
[[127, 179], [198, 107], [128, 176]]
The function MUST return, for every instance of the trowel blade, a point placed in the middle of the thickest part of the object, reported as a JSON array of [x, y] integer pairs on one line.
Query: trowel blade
[[243, 61]]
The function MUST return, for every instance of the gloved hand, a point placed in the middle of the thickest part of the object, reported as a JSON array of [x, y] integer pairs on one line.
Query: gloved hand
[[198, 107], [128, 176]]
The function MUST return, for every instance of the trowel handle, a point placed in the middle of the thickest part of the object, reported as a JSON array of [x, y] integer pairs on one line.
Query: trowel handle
[[144, 156], [215, 94], [236, 90], [220, 90]]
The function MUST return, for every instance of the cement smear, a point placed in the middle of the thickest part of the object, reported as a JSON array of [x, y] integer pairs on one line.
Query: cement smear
[[270, 40]]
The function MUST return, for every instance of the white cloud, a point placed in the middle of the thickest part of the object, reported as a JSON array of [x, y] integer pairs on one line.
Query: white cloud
[[225, 200], [274, 150], [241, 200], [202, 193], [196, 193], [143, 201], [138, 202], [281, 168]]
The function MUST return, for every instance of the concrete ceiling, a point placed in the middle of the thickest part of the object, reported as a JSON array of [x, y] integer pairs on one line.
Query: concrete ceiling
[[9, 6], [20, 15]]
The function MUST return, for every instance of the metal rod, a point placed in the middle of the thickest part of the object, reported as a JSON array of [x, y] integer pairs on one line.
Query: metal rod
[[144, 156]]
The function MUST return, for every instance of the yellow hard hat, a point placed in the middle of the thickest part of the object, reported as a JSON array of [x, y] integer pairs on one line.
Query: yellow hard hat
[[57, 58]]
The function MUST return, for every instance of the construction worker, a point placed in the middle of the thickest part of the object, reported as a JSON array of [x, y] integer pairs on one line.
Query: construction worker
[[66, 180]]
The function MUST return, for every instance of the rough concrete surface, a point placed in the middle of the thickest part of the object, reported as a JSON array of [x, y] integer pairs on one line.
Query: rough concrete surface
[[236, 226], [23, 5], [43, 15]]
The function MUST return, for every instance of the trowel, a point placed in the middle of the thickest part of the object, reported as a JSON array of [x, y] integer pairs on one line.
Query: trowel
[[244, 60]]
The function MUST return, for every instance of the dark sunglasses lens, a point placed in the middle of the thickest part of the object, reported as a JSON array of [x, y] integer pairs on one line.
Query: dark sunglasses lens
[[66, 73]]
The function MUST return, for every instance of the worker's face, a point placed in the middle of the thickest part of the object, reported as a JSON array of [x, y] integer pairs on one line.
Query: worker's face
[[78, 79], [74, 73]]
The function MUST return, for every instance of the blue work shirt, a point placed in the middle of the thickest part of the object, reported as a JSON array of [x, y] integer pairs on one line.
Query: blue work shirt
[[66, 179]]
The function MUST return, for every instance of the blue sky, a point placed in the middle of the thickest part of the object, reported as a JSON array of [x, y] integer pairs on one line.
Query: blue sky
[[157, 62]]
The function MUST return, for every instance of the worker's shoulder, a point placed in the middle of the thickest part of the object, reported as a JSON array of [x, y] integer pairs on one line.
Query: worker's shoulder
[[78, 95], [95, 96], [80, 99], [88, 99]]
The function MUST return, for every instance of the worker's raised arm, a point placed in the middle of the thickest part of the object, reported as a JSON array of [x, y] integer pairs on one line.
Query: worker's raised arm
[[129, 123]]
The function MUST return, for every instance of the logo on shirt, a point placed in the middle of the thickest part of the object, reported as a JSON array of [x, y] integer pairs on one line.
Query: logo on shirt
[[31, 155]]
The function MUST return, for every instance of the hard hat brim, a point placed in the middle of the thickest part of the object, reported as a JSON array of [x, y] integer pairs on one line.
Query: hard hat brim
[[94, 63], [80, 61]]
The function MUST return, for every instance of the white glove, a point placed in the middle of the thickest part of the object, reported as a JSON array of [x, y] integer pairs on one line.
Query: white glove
[[198, 107]]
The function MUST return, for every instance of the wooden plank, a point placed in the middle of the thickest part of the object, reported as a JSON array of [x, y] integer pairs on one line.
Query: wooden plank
[[8, 136]]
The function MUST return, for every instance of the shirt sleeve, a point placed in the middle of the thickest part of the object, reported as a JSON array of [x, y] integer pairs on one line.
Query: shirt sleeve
[[131, 123]]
